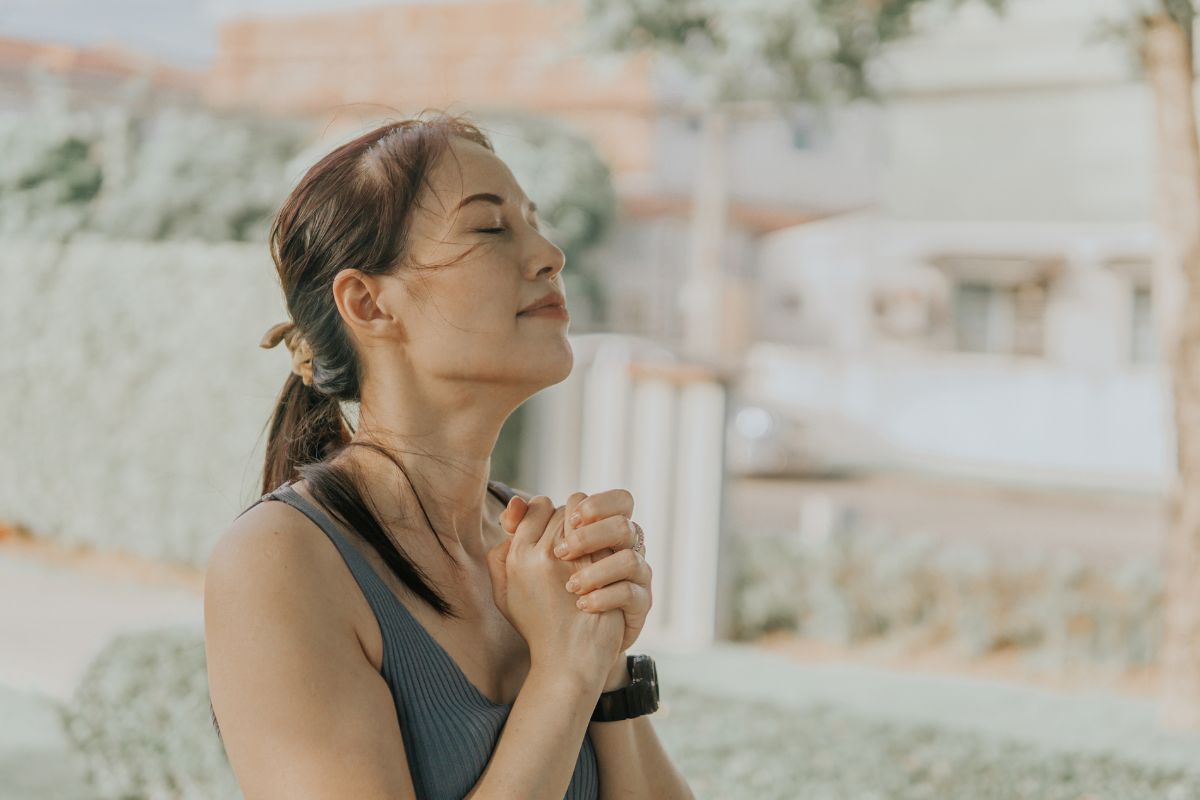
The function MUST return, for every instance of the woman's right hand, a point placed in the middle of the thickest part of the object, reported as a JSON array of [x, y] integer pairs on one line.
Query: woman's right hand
[[529, 588]]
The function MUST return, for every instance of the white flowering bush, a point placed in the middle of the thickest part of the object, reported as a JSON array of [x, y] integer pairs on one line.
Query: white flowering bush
[[857, 584], [140, 722], [736, 749], [141, 170]]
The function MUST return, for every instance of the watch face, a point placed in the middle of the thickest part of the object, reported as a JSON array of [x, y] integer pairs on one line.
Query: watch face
[[647, 676]]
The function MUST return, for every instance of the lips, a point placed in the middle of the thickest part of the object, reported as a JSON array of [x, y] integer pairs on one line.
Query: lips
[[549, 299]]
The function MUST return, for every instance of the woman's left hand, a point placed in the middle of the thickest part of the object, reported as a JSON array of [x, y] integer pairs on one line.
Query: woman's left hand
[[620, 576]]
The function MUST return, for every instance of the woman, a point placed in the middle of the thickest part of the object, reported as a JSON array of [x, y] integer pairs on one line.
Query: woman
[[399, 626]]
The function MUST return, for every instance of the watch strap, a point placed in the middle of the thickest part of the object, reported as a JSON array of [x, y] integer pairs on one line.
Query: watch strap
[[638, 698]]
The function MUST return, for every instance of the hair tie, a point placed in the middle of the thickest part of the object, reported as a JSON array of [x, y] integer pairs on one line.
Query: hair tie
[[289, 334]]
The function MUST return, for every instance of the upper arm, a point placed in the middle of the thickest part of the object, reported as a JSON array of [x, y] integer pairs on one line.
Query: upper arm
[[303, 713]]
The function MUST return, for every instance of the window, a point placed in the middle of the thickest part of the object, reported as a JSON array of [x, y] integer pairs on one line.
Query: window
[[998, 302], [790, 302], [1143, 338], [990, 318]]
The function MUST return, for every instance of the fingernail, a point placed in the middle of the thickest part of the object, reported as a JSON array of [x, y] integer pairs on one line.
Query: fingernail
[[572, 585], [560, 549], [575, 520], [581, 602]]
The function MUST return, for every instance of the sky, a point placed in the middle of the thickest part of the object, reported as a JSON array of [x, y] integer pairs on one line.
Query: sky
[[182, 32]]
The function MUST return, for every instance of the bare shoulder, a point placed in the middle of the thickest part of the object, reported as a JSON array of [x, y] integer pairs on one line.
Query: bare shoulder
[[302, 711]]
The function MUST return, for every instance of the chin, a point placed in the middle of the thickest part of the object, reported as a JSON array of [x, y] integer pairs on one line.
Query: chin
[[557, 359]]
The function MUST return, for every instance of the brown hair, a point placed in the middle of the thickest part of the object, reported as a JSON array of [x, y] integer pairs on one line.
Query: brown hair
[[352, 208]]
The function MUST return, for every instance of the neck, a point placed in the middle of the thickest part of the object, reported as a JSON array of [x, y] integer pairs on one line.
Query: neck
[[446, 457]]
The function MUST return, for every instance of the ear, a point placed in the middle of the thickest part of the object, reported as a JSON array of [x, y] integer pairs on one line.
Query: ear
[[362, 303]]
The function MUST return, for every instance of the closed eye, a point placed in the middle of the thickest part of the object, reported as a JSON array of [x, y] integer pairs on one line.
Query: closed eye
[[490, 230]]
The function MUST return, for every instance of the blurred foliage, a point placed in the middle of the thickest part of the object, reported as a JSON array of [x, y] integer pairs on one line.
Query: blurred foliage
[[777, 50], [141, 170], [139, 720], [856, 584], [150, 170], [736, 748]]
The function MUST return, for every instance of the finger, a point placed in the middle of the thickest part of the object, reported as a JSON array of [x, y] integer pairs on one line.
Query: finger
[[625, 595], [513, 513], [573, 503], [623, 565], [533, 524], [601, 505], [552, 531], [615, 532]]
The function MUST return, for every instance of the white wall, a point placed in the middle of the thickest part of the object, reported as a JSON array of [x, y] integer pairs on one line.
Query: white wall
[[1025, 116], [987, 416]]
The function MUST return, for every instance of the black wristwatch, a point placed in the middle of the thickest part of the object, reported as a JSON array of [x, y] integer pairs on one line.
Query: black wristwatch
[[638, 698]]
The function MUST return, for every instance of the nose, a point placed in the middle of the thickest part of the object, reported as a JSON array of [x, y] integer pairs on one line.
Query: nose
[[549, 260]]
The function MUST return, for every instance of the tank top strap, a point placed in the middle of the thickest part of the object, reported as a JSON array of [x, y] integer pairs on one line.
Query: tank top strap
[[501, 490], [372, 585]]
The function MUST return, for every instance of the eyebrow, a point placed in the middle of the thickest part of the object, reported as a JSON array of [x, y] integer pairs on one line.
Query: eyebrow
[[491, 198]]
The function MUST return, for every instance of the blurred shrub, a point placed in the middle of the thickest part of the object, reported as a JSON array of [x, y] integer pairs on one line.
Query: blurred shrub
[[145, 169], [734, 748], [141, 169], [140, 720], [857, 584]]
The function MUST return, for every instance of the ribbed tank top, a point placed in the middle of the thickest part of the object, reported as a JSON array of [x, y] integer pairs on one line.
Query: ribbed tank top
[[450, 728]]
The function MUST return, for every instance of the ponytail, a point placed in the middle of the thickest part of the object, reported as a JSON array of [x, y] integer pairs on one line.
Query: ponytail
[[306, 427]]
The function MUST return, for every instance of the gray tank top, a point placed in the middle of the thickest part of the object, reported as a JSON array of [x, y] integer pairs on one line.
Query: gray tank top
[[450, 728]]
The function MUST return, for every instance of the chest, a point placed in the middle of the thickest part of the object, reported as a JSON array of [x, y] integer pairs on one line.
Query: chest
[[484, 645]]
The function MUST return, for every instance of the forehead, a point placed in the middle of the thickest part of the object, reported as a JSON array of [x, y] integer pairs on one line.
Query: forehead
[[467, 169]]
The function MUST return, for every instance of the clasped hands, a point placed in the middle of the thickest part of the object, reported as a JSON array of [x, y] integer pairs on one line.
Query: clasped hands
[[599, 524]]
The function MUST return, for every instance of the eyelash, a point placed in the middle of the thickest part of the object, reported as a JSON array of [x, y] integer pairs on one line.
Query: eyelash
[[536, 227]]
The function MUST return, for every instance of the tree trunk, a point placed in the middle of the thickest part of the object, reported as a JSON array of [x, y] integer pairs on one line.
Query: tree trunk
[[704, 313], [1168, 60]]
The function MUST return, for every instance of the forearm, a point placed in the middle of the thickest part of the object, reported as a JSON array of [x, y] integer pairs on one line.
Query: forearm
[[539, 745], [632, 761]]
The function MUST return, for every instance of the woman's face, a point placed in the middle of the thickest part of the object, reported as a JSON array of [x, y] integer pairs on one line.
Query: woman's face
[[460, 321]]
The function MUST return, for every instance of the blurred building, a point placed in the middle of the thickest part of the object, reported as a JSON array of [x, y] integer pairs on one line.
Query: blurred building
[[963, 272], [92, 77], [992, 314]]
